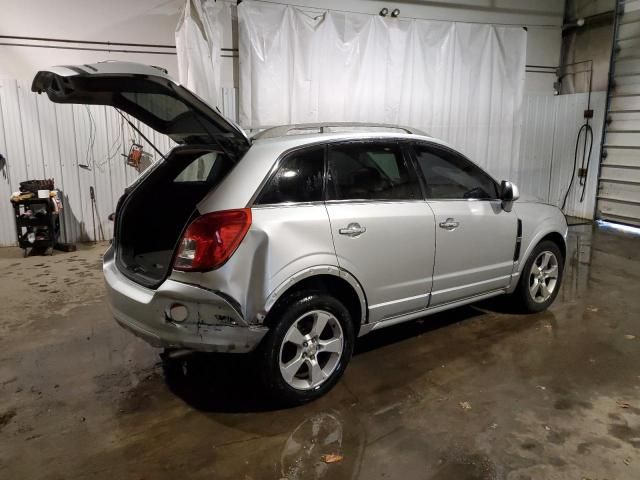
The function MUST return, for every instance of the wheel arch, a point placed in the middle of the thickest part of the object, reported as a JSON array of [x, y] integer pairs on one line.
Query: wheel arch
[[551, 234], [559, 240], [338, 282]]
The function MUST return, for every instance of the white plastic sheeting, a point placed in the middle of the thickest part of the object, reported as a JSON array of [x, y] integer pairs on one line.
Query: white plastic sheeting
[[199, 43], [460, 82], [549, 130]]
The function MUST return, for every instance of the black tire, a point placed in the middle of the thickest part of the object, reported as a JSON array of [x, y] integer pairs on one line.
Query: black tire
[[522, 296], [280, 320]]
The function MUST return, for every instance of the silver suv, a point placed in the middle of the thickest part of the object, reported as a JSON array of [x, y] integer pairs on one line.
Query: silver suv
[[298, 241]]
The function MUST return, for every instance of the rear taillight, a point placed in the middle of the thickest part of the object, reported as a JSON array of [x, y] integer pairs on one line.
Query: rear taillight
[[211, 239]]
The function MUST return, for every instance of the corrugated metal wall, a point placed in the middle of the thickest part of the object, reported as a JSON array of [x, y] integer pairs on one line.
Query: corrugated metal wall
[[82, 146], [78, 146], [550, 128]]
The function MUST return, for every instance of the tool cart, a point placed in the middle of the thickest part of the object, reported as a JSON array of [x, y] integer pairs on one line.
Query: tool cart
[[37, 219]]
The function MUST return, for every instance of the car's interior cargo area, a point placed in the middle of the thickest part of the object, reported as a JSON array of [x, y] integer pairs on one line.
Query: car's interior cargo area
[[153, 214]]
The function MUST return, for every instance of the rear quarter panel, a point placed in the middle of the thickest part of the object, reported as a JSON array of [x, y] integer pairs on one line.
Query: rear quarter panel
[[238, 187], [281, 242]]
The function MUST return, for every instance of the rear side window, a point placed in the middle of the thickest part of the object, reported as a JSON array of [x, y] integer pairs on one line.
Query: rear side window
[[299, 178], [370, 171], [449, 175], [199, 169]]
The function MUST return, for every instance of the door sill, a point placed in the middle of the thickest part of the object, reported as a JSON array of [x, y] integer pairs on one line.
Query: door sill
[[427, 311]]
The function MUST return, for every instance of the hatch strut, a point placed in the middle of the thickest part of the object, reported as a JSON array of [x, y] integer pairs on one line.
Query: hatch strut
[[142, 134]]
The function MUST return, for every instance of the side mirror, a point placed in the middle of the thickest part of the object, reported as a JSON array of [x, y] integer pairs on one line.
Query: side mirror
[[508, 194]]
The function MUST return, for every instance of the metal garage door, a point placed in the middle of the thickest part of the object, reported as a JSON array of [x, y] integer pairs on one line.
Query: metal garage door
[[619, 188]]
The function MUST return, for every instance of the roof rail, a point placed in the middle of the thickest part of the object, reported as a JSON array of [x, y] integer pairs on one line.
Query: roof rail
[[329, 127]]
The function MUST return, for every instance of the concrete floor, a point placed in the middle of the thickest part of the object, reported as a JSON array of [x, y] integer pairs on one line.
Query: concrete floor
[[470, 394]]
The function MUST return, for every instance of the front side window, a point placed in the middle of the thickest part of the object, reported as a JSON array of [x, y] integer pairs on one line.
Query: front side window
[[299, 178], [451, 176], [370, 171]]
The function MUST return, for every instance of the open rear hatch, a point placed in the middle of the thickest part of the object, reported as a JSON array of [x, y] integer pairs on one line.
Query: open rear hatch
[[146, 93], [154, 211]]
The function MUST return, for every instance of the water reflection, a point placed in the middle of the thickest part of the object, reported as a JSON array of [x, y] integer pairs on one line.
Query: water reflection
[[578, 265], [312, 440]]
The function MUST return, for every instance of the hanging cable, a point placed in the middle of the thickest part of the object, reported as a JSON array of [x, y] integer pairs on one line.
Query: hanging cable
[[588, 133], [585, 168], [116, 146], [89, 156], [142, 135], [588, 138]]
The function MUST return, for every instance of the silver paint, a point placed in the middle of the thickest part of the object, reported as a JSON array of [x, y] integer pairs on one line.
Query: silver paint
[[401, 265], [402, 259]]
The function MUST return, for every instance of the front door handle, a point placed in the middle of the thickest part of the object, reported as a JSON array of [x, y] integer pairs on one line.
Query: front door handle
[[352, 230], [449, 224]]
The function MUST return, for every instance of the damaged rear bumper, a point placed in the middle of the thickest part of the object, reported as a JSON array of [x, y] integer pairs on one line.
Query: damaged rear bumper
[[213, 323]]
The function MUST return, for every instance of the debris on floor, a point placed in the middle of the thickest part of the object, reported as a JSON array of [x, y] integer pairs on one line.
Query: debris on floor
[[6, 417], [630, 337], [465, 405], [331, 458], [623, 404]]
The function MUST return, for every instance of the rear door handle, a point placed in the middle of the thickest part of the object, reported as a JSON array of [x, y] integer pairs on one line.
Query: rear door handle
[[449, 224], [352, 230]]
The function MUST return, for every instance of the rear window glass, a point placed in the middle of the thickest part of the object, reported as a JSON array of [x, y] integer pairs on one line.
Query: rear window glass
[[299, 178], [163, 106]]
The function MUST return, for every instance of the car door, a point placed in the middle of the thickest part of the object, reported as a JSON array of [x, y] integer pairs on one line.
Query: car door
[[475, 237], [383, 230]]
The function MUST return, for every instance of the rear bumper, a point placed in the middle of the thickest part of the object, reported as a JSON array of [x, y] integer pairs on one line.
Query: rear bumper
[[213, 323]]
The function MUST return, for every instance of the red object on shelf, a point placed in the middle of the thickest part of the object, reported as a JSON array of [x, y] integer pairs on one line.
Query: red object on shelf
[[135, 155]]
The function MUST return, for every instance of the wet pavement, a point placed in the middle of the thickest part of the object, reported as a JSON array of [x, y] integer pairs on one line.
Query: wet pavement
[[475, 393]]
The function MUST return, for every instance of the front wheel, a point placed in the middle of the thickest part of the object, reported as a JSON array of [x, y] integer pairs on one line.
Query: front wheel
[[307, 348], [541, 277]]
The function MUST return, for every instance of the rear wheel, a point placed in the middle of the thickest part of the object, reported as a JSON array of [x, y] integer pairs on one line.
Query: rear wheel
[[541, 277], [307, 348]]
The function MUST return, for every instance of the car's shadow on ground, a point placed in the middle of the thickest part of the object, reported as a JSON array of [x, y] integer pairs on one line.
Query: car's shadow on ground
[[230, 383]]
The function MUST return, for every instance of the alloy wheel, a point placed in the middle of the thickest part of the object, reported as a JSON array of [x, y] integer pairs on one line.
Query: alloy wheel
[[311, 350], [543, 276]]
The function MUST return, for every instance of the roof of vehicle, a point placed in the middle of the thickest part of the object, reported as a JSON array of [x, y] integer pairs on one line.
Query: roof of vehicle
[[363, 132], [334, 127]]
